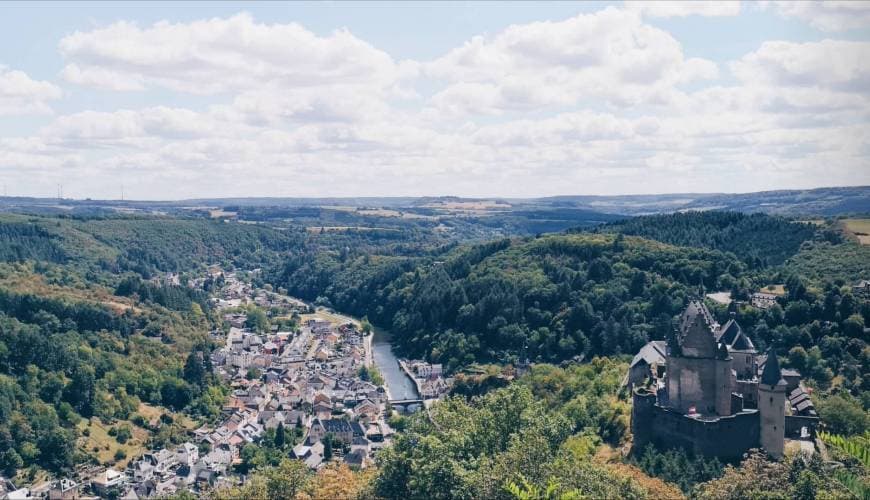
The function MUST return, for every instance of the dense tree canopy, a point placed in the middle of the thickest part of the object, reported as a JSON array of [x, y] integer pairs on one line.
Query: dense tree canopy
[[757, 239]]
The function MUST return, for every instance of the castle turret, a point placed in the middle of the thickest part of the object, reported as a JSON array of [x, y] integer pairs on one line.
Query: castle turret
[[724, 381], [642, 415], [771, 406]]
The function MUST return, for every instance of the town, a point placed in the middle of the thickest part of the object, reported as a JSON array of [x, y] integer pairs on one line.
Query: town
[[311, 378]]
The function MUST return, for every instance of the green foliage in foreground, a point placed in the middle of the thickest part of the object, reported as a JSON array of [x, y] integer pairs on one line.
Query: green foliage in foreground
[[517, 435], [759, 477], [677, 467]]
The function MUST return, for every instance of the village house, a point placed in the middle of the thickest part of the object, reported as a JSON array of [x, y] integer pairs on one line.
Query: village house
[[861, 289], [106, 480], [763, 300]]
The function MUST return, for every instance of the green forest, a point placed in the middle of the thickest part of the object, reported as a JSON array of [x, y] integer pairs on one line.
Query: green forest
[[758, 240], [89, 340]]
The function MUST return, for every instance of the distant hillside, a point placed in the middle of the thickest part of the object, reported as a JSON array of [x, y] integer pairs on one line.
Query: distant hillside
[[830, 201], [810, 202], [758, 239], [145, 245]]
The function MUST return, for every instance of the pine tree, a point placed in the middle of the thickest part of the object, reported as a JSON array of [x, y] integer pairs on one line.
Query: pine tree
[[280, 439]]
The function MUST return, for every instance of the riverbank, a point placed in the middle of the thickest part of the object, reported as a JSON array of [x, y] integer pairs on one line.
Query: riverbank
[[417, 382]]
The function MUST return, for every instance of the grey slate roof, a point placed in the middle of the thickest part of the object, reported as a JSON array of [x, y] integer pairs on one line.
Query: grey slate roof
[[733, 336], [653, 352]]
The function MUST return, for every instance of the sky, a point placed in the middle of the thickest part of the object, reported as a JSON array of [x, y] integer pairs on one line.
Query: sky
[[478, 99]]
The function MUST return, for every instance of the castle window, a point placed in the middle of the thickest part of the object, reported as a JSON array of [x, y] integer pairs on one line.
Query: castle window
[[771, 400]]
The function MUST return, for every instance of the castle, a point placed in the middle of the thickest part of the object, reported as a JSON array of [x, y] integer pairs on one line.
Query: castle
[[709, 391]]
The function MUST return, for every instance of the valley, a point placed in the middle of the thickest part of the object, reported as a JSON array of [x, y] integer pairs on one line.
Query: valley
[[194, 333]]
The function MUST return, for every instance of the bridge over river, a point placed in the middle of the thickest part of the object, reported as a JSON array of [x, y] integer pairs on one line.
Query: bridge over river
[[407, 405]]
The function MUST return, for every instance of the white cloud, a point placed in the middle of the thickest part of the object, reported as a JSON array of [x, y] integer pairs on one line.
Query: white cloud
[[21, 95], [135, 128], [834, 64], [710, 8], [597, 103], [610, 55], [829, 15], [221, 55]]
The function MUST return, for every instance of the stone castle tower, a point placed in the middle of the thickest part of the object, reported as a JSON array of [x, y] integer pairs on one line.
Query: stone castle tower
[[771, 406], [699, 376]]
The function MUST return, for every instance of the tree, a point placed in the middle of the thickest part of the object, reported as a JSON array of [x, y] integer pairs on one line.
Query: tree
[[10, 462], [81, 390], [257, 320], [327, 447], [287, 480], [843, 415], [339, 481], [797, 357], [193, 370], [123, 434], [365, 326], [280, 439], [853, 326]]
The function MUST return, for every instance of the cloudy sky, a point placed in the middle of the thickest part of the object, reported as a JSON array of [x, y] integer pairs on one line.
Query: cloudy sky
[[470, 99]]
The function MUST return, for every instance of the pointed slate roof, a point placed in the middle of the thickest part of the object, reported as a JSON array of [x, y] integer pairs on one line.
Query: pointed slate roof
[[695, 309], [772, 374], [732, 335], [742, 343], [696, 335], [729, 333]]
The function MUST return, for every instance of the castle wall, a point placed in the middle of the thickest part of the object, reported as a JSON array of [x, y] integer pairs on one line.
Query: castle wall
[[698, 341], [794, 423], [749, 390], [638, 373], [726, 437]]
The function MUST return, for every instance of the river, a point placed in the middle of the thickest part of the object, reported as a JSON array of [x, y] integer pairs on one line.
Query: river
[[400, 385]]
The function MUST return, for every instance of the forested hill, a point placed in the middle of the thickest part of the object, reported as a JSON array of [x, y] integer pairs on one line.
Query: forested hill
[[144, 245], [550, 298], [758, 239], [86, 344]]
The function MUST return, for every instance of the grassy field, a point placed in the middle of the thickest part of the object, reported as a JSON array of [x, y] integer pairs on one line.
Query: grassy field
[[104, 446], [333, 318], [221, 213], [318, 229], [469, 205], [59, 283], [860, 228]]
